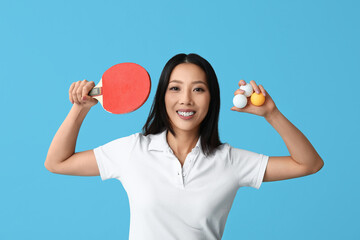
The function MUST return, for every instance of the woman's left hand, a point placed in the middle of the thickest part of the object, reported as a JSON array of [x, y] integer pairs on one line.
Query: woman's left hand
[[264, 110]]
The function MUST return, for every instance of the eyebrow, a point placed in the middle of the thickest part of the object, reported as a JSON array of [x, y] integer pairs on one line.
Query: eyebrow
[[194, 82]]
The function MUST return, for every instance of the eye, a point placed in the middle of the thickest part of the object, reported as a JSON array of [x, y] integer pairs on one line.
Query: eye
[[174, 88], [199, 90]]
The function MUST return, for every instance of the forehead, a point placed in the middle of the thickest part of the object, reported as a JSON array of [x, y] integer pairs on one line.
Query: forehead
[[188, 71]]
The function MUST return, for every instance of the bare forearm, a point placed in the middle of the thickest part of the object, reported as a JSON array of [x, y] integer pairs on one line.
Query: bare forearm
[[300, 148], [63, 144]]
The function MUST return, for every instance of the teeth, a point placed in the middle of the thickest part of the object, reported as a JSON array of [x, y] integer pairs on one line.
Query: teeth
[[186, 114]]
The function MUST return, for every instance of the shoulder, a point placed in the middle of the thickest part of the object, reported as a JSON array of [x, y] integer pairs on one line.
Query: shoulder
[[138, 140], [124, 142], [220, 151], [226, 148], [236, 154]]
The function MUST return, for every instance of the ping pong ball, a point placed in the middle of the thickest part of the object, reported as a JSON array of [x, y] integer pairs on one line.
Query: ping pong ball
[[248, 89], [257, 99], [239, 100]]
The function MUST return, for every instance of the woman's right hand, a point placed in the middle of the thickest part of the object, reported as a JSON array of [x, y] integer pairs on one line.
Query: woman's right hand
[[78, 93]]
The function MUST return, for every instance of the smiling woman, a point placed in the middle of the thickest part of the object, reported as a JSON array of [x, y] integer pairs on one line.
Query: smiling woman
[[180, 179], [187, 98], [187, 87]]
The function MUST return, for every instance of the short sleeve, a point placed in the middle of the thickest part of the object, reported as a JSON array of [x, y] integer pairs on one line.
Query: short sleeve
[[112, 157], [249, 167]]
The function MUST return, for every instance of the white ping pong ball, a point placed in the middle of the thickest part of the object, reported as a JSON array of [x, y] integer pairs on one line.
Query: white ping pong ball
[[248, 89], [239, 100]]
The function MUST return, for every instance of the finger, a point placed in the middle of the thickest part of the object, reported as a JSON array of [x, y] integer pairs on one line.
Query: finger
[[86, 89], [236, 109], [242, 83], [72, 86], [262, 90], [74, 95], [239, 91], [255, 87], [80, 90]]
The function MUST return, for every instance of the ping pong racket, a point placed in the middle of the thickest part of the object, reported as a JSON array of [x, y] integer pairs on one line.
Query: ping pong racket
[[123, 88]]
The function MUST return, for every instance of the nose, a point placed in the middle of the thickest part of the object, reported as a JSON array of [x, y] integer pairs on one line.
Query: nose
[[186, 98]]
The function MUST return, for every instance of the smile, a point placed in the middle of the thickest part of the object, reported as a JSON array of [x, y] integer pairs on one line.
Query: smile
[[185, 114]]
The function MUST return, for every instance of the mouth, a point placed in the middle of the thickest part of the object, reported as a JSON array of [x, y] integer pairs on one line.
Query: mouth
[[185, 114]]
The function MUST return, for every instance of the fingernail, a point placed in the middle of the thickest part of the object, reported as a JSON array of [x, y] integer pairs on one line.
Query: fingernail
[[84, 98]]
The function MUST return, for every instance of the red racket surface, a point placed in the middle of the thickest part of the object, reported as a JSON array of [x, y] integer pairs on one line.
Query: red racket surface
[[125, 88]]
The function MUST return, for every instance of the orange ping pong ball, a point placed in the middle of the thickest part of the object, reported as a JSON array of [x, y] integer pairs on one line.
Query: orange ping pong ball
[[257, 99]]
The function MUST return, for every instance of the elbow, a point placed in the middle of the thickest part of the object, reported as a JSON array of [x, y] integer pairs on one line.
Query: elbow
[[319, 166], [48, 167]]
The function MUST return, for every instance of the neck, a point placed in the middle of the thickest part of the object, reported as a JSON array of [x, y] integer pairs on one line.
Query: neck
[[184, 142]]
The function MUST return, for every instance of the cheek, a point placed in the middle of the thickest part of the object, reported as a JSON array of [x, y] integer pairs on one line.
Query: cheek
[[206, 102], [166, 99]]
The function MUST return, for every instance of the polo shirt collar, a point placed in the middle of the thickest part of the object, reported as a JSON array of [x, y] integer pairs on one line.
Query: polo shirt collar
[[158, 142]]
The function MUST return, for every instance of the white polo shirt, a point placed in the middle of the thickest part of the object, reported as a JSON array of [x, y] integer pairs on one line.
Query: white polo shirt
[[171, 202]]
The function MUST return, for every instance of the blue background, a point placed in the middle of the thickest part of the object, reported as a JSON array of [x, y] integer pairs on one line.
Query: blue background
[[305, 53]]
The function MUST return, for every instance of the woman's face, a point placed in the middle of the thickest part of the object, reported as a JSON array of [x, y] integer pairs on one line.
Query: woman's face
[[187, 97]]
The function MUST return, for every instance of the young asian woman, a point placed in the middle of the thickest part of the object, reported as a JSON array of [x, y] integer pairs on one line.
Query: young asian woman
[[180, 178]]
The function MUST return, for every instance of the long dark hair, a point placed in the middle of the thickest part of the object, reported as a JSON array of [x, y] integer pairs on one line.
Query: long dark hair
[[158, 119]]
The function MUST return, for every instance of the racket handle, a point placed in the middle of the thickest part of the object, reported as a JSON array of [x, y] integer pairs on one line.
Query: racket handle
[[96, 91]]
